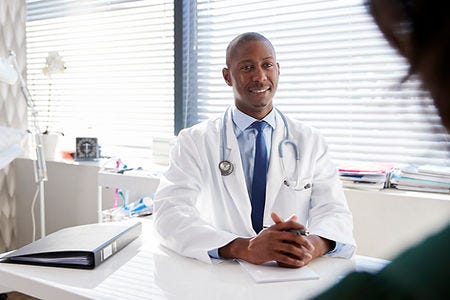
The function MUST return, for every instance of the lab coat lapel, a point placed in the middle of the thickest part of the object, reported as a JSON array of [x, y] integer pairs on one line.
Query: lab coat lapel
[[275, 173], [235, 182]]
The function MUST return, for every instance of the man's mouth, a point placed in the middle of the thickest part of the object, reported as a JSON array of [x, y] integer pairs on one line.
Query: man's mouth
[[259, 90]]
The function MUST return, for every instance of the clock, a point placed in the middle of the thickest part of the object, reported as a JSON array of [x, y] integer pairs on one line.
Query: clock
[[87, 148]]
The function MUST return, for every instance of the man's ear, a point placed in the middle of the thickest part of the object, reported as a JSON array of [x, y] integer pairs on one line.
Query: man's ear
[[226, 76]]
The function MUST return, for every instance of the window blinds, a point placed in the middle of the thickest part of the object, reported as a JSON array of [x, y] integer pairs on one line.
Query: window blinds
[[119, 58], [338, 74]]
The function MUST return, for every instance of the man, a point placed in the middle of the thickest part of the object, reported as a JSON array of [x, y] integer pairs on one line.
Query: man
[[205, 211]]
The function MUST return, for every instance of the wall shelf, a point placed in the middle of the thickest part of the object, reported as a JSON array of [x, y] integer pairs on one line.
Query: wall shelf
[[140, 181]]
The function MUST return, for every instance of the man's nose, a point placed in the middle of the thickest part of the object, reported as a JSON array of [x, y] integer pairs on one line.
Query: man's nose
[[259, 74]]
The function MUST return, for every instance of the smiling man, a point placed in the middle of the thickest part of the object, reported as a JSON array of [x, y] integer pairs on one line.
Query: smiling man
[[252, 71], [253, 184]]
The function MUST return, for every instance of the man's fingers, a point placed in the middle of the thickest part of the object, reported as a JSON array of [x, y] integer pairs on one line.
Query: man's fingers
[[276, 218], [307, 244], [298, 247], [283, 246], [289, 260], [292, 218], [288, 225]]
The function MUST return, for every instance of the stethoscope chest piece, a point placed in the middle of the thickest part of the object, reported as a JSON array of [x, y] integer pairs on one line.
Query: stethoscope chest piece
[[226, 167]]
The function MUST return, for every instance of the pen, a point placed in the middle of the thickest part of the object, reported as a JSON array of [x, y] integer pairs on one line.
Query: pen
[[300, 231]]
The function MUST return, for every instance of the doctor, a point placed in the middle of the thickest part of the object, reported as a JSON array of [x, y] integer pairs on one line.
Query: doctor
[[233, 190]]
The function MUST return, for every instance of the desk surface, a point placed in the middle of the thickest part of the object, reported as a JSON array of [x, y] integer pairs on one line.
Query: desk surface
[[145, 270]]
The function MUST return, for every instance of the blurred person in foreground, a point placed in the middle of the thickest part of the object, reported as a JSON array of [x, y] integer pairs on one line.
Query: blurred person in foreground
[[420, 31]]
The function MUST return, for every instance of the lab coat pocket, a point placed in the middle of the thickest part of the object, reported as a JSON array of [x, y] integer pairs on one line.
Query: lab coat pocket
[[304, 185], [301, 191], [300, 185], [294, 200]]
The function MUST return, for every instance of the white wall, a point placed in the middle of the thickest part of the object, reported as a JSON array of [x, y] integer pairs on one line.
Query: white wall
[[385, 222], [13, 112], [70, 197]]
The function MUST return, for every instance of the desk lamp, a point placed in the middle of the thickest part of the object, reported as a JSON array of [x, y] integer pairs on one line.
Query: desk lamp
[[9, 73]]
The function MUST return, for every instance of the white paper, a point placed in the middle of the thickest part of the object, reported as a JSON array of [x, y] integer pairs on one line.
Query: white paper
[[271, 272]]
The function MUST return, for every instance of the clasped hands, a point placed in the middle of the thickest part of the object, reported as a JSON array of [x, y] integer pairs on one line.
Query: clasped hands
[[277, 243]]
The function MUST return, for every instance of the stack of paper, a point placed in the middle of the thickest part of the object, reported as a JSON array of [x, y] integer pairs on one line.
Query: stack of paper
[[426, 178], [365, 176], [271, 272]]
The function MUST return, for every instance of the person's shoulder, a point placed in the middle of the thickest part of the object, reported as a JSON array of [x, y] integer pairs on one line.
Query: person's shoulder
[[210, 125], [300, 127]]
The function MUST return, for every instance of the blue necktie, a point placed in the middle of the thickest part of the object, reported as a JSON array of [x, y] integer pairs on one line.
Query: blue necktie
[[258, 196]]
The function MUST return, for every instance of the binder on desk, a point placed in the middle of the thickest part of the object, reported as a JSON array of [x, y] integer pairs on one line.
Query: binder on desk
[[81, 247]]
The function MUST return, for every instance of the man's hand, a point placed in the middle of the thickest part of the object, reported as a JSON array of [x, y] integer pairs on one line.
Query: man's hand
[[275, 243], [307, 251]]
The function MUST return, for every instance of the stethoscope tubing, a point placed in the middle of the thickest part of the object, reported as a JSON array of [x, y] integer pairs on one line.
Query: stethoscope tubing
[[226, 167]]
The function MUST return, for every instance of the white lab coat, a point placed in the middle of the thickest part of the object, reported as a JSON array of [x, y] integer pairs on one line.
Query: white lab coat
[[197, 209]]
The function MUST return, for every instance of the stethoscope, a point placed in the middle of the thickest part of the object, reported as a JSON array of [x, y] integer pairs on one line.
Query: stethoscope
[[226, 167]]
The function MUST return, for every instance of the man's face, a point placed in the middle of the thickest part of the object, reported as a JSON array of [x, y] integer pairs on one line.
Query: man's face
[[253, 73]]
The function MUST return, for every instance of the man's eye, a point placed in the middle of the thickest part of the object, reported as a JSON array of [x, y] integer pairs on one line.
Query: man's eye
[[246, 68], [268, 65]]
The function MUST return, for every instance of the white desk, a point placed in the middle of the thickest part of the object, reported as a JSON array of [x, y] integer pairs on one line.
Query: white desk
[[145, 270]]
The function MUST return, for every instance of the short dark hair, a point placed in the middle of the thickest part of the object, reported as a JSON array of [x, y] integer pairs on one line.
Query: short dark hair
[[243, 39]]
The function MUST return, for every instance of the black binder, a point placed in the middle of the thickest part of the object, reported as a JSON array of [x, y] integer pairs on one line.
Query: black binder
[[81, 247]]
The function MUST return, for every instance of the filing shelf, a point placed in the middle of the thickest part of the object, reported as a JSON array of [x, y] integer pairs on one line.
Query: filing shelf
[[136, 181]]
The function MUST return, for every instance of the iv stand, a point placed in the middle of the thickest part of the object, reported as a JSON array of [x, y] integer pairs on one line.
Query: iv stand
[[40, 168]]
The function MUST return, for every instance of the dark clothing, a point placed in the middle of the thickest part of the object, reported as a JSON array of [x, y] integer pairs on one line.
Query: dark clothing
[[422, 272]]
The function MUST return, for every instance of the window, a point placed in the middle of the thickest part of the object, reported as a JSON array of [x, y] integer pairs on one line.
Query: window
[[119, 56], [338, 74]]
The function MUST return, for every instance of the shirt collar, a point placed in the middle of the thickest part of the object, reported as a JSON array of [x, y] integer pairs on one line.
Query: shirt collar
[[242, 121]]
